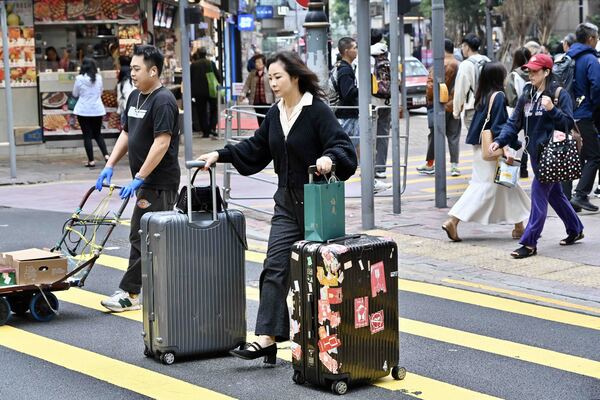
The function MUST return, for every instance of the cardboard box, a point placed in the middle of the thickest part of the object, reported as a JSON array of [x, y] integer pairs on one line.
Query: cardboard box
[[28, 135], [8, 276], [36, 266]]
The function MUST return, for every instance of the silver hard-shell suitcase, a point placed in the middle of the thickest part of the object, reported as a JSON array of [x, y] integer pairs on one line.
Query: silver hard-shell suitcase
[[193, 281]]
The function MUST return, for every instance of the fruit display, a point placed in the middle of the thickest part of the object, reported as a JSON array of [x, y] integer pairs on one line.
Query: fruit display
[[75, 10], [130, 32], [112, 120], [110, 9], [58, 10], [109, 99], [129, 10], [92, 9]]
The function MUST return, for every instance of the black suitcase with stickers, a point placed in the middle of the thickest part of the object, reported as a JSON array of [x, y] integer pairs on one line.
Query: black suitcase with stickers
[[344, 325]]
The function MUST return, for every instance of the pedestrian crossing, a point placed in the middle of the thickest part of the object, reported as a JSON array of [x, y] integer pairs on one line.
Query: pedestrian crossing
[[159, 385]]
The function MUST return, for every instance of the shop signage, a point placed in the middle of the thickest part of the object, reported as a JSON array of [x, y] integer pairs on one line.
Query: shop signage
[[238, 88], [283, 10], [264, 12], [245, 22]]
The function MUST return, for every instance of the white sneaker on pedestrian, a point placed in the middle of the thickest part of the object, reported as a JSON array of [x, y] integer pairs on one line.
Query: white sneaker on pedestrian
[[597, 191], [380, 175], [454, 171], [121, 301], [379, 186], [426, 169]]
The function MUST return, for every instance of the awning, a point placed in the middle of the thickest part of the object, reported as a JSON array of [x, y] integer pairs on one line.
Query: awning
[[210, 10]]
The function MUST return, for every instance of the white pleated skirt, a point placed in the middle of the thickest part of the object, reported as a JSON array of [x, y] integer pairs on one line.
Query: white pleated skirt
[[486, 202]]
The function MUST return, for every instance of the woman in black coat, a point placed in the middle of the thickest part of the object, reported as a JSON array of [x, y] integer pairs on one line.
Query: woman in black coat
[[298, 131]]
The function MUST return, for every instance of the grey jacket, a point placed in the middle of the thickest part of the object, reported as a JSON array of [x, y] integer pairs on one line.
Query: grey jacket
[[250, 87]]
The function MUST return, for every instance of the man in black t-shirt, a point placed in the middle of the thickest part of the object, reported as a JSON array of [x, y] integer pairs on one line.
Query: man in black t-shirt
[[151, 137]]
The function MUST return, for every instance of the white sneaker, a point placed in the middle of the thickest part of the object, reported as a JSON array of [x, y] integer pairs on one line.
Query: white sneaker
[[379, 186], [454, 171], [426, 169], [380, 175], [121, 301]]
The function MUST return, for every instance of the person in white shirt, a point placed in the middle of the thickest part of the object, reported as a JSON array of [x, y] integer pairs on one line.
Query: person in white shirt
[[124, 87], [467, 78], [89, 108]]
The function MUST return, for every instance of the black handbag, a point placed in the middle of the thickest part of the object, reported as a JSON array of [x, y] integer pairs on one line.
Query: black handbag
[[202, 202], [201, 198], [559, 161]]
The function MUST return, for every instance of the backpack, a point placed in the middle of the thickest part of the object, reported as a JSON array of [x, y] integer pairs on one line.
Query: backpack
[[382, 77], [564, 70], [333, 95], [478, 67]]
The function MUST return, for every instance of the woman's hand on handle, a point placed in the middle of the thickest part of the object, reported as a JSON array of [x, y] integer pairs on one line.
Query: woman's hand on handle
[[324, 165], [493, 147], [209, 158]]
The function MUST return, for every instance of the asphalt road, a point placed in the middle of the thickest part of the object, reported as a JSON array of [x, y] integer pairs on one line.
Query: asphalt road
[[453, 348]]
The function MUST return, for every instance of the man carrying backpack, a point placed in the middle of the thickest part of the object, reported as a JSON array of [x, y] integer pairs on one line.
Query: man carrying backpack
[[585, 90], [467, 78], [343, 80]]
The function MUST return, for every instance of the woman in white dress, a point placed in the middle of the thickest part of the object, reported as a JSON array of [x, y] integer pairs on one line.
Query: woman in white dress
[[484, 201]]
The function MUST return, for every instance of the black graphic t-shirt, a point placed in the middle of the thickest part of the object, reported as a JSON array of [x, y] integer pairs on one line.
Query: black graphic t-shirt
[[157, 114]]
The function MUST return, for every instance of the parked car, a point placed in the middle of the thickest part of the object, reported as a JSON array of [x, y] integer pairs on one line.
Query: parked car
[[416, 83]]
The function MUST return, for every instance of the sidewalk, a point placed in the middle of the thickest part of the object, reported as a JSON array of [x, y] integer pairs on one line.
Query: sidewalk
[[572, 272]]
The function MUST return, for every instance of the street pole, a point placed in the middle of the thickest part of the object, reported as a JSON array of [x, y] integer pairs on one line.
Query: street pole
[[12, 151], [395, 112], [439, 125], [316, 26], [186, 81], [364, 114], [488, 32], [405, 113], [581, 11]]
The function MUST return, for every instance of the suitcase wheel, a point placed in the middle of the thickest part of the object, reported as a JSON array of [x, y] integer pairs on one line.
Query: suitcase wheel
[[339, 387], [398, 373], [298, 378], [147, 352], [5, 312], [167, 358]]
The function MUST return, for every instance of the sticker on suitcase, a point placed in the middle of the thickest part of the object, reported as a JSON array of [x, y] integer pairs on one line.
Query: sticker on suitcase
[[378, 279], [328, 279], [361, 312], [296, 351], [334, 295], [376, 322], [329, 343], [329, 362]]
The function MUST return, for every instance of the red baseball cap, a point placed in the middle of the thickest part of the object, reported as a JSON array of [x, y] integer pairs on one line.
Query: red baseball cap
[[538, 62]]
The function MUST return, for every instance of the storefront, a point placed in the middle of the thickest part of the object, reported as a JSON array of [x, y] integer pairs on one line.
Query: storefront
[[48, 41]]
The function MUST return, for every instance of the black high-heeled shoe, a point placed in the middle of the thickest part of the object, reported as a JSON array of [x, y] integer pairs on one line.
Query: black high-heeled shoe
[[243, 352]]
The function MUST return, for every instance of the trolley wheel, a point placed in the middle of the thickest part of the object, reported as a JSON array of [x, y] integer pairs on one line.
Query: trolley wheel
[[398, 373], [40, 309], [339, 387], [20, 304], [167, 358], [147, 352], [298, 378], [4, 311]]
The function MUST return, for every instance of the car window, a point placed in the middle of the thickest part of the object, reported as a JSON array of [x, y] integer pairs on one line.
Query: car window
[[415, 68]]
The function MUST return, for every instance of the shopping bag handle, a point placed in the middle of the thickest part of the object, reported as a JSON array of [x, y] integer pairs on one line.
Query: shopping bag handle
[[312, 170]]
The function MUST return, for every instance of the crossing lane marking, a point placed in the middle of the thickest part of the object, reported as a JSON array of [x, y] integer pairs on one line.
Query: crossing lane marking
[[502, 304], [443, 292], [505, 348], [115, 372], [524, 295], [414, 385]]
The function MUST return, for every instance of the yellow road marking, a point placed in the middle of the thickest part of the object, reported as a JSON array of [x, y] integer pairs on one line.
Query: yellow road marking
[[463, 296], [115, 372], [501, 304], [524, 295], [426, 388], [505, 348], [91, 300]]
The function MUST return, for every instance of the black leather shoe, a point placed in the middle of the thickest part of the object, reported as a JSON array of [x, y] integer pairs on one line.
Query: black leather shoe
[[571, 239], [583, 202], [243, 352]]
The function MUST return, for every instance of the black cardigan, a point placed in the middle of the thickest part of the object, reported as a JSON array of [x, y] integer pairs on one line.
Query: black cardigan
[[315, 133]]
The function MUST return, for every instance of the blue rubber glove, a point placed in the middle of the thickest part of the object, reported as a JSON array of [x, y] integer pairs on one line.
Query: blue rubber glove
[[130, 189], [105, 175]]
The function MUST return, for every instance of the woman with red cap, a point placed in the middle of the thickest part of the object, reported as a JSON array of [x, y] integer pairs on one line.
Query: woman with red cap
[[539, 116]]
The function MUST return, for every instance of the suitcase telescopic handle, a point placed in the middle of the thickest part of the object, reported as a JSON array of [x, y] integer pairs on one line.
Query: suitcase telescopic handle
[[312, 170], [213, 186]]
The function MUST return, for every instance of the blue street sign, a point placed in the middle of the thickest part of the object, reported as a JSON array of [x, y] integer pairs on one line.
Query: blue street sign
[[264, 12], [245, 22]]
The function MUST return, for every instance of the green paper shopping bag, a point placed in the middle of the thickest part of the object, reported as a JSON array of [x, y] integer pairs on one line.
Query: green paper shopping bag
[[324, 208]]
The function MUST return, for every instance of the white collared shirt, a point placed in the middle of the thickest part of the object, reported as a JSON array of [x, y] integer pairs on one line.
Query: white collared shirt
[[287, 123]]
